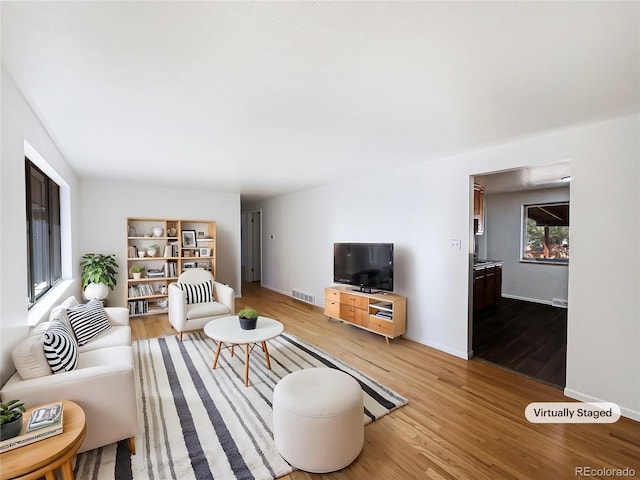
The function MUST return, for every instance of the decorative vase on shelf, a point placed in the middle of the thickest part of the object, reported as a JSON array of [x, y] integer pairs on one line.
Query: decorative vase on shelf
[[136, 275], [157, 231]]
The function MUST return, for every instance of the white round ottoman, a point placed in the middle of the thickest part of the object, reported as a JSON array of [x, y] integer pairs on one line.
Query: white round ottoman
[[317, 419]]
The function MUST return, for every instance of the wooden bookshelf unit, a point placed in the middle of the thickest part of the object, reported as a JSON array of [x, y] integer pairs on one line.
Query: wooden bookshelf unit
[[181, 244], [381, 313]]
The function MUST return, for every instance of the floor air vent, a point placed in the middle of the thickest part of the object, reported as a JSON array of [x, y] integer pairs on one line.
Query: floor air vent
[[305, 297]]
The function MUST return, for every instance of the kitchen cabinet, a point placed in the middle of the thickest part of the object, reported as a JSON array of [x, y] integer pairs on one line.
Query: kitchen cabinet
[[487, 284], [478, 209]]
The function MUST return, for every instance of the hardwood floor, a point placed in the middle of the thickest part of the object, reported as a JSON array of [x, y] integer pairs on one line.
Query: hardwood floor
[[526, 337], [465, 419]]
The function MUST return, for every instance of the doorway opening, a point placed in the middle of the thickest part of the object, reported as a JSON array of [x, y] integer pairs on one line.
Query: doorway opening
[[525, 329], [251, 236]]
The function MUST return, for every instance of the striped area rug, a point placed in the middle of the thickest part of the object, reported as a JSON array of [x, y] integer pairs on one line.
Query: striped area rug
[[199, 423]]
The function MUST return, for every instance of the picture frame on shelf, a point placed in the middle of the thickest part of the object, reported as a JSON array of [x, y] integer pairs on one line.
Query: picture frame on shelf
[[205, 252], [188, 239]]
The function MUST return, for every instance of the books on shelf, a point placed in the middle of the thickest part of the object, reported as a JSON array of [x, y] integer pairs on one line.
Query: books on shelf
[[44, 422], [138, 307], [174, 249], [384, 315], [141, 290], [170, 269]]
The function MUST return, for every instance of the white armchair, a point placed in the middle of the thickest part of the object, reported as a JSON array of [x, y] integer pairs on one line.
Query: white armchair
[[187, 311]]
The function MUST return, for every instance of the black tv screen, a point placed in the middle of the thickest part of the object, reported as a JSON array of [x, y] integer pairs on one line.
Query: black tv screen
[[368, 266]]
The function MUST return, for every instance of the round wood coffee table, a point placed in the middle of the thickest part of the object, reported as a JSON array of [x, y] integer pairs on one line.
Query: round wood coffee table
[[42, 458], [227, 330]]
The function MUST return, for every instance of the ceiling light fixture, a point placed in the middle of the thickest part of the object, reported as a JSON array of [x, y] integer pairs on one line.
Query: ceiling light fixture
[[566, 179]]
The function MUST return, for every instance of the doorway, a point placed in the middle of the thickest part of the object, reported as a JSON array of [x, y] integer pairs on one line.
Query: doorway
[[252, 246], [525, 331]]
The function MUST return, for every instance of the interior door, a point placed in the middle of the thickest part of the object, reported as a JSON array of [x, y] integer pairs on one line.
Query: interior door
[[253, 247]]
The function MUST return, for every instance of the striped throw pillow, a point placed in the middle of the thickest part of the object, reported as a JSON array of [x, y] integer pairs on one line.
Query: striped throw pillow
[[60, 348], [88, 320], [197, 293]]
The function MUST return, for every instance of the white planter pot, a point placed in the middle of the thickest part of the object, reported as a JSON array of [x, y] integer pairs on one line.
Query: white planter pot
[[96, 291], [137, 275]]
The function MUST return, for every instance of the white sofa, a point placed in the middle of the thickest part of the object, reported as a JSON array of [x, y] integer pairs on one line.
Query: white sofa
[[103, 382], [185, 315]]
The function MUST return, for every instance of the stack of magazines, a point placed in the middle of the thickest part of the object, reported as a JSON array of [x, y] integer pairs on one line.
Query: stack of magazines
[[44, 422]]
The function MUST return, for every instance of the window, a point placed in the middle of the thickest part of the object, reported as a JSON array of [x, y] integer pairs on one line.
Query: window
[[546, 233], [43, 232]]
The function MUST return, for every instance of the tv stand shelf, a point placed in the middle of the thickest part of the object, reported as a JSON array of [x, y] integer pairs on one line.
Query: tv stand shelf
[[381, 313]]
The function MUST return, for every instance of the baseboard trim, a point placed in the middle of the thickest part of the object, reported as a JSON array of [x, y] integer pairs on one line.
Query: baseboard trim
[[583, 397], [287, 294], [527, 299], [442, 348]]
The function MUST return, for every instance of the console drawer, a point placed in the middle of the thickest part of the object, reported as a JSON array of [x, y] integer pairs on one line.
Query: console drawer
[[331, 308], [355, 301], [330, 294], [355, 315], [380, 325]]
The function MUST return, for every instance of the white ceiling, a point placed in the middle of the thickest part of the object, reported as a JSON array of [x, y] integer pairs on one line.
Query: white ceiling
[[265, 98]]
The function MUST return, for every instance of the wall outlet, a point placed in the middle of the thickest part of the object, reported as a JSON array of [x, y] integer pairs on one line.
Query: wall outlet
[[455, 244]]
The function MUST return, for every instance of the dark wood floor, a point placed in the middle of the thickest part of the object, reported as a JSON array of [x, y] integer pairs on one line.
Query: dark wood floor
[[526, 337]]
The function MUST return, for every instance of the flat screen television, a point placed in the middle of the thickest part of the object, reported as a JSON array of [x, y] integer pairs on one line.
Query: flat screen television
[[368, 266]]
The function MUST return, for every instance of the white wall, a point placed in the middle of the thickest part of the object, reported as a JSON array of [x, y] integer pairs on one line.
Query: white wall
[[527, 281], [19, 123], [421, 207], [106, 206]]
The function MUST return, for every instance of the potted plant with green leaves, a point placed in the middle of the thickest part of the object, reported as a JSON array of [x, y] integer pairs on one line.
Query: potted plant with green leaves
[[248, 318], [10, 418], [98, 275], [136, 271]]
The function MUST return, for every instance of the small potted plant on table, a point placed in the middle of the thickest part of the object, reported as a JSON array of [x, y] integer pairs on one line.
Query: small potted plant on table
[[10, 418], [248, 318]]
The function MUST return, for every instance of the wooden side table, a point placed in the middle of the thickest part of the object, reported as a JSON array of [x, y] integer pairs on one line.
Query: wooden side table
[[41, 459]]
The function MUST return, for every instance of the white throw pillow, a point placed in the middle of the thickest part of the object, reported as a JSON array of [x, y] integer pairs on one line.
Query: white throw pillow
[[59, 312], [88, 321], [28, 356]]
